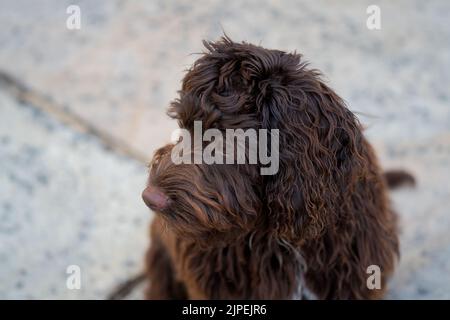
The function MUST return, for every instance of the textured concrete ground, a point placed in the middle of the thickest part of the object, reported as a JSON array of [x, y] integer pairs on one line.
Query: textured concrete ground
[[65, 199]]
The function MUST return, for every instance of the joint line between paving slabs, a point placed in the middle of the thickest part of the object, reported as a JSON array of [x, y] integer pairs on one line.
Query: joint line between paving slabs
[[43, 103]]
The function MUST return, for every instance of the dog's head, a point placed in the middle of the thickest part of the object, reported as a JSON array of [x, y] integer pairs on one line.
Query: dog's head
[[205, 202], [242, 86]]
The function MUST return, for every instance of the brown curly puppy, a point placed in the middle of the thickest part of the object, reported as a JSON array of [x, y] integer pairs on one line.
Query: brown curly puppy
[[227, 232]]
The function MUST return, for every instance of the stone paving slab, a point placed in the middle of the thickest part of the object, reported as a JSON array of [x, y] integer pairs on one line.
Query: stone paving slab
[[65, 200], [424, 268]]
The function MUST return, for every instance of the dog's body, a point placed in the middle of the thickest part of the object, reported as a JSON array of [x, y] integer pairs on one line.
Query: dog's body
[[226, 232]]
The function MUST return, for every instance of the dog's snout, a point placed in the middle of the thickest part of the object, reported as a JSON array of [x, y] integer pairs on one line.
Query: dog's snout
[[154, 198]]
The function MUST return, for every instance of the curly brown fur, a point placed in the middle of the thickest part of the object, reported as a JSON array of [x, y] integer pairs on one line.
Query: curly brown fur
[[225, 231]]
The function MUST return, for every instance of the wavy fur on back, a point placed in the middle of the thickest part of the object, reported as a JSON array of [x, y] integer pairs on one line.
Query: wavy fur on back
[[228, 232]]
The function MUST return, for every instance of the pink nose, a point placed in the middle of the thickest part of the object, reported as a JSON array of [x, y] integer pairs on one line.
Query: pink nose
[[154, 199]]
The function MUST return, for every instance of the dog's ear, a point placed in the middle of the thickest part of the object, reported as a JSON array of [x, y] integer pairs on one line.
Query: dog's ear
[[319, 146]]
